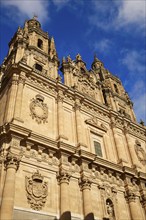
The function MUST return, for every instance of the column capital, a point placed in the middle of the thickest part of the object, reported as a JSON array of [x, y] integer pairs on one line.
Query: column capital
[[85, 183], [130, 196], [63, 177], [12, 160]]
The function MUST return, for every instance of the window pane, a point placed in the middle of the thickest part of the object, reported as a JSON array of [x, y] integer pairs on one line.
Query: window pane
[[97, 147]]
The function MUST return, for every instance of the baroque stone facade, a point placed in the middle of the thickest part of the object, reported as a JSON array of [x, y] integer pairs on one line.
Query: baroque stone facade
[[68, 151]]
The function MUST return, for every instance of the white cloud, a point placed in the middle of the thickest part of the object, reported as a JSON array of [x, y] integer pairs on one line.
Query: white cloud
[[103, 46], [134, 61], [138, 96], [20, 10], [132, 12], [60, 3], [117, 14]]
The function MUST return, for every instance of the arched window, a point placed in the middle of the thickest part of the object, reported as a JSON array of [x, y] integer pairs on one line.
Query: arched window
[[116, 88], [40, 43]]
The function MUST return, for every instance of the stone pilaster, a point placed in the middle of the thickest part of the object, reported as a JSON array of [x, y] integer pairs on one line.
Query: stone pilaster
[[85, 186], [131, 149], [18, 105], [133, 205], [78, 122], [11, 99], [63, 178], [7, 205], [60, 114], [118, 144]]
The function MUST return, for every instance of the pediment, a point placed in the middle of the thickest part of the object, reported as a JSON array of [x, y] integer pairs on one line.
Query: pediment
[[96, 123]]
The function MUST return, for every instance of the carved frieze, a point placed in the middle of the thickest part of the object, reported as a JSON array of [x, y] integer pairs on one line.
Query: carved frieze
[[39, 109], [37, 191]]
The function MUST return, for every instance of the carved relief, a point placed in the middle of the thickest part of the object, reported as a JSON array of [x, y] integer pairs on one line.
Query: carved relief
[[95, 122], [37, 191], [38, 109], [141, 154]]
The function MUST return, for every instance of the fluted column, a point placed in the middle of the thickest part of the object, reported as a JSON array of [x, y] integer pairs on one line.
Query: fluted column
[[7, 205], [11, 99], [78, 121], [17, 113], [134, 208], [85, 185], [63, 178]]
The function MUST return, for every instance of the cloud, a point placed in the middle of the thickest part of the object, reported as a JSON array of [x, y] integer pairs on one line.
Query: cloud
[[134, 61], [115, 14], [103, 45], [138, 96], [132, 12], [60, 3], [20, 10]]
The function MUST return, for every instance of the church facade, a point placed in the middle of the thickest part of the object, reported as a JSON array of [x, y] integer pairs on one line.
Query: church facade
[[69, 150]]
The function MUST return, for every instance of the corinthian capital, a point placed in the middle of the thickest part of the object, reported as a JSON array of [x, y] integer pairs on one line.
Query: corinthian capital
[[63, 176], [130, 196], [85, 183], [12, 160]]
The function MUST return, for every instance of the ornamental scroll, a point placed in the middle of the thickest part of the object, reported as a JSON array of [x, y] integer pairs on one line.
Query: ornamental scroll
[[38, 109], [37, 190]]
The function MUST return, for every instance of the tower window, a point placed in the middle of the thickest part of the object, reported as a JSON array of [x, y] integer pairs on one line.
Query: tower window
[[40, 43], [97, 147], [38, 67], [116, 88]]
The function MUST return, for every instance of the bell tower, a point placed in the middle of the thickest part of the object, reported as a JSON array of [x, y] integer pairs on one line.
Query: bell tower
[[33, 46]]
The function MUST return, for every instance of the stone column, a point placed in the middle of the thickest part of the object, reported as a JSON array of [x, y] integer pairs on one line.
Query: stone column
[[78, 121], [7, 205], [134, 208], [85, 185], [63, 179], [11, 99], [17, 113]]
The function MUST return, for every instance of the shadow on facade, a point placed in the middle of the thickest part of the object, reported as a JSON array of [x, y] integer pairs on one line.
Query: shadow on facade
[[66, 216], [90, 216]]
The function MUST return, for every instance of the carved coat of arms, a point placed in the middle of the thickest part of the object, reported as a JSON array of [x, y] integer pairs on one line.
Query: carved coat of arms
[[39, 109], [37, 191]]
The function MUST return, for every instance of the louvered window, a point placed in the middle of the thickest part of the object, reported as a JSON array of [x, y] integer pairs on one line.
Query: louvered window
[[97, 147]]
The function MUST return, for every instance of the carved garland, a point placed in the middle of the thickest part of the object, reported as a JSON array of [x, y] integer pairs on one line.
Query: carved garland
[[38, 109], [37, 191]]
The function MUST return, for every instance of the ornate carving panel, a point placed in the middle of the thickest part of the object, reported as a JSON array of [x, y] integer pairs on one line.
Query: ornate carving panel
[[37, 191], [38, 109]]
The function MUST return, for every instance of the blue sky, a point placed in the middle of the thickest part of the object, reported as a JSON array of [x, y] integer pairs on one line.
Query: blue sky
[[113, 29]]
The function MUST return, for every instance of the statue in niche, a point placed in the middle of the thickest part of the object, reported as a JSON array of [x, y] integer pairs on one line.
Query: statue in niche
[[110, 209]]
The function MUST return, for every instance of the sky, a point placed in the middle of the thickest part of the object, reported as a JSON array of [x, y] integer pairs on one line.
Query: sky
[[114, 30]]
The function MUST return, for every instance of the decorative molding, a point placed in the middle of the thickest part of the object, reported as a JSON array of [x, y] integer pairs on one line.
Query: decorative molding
[[37, 190], [38, 109], [95, 122], [12, 160], [141, 154]]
